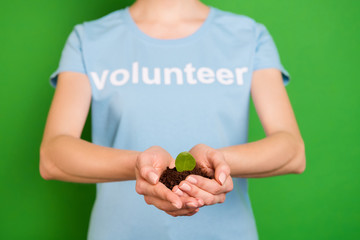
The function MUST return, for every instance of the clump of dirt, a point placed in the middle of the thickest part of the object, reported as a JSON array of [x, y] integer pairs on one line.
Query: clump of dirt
[[171, 177]]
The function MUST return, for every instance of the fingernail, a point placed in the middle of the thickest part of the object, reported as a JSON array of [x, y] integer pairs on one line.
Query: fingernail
[[196, 210], [192, 180], [185, 187], [177, 205], [179, 192], [191, 204], [153, 177], [222, 178], [201, 202]]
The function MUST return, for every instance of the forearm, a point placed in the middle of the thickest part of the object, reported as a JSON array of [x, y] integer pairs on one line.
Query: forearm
[[68, 158], [277, 154]]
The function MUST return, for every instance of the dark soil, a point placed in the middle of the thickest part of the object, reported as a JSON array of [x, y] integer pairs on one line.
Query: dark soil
[[171, 177]]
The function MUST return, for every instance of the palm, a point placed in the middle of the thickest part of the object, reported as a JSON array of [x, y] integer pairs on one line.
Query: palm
[[154, 159]]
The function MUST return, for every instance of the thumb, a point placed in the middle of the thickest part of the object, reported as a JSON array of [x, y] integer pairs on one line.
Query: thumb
[[149, 174], [222, 169], [152, 162], [152, 177], [221, 175], [147, 170]]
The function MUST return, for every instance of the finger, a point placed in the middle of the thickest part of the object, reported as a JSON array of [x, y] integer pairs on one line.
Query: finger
[[159, 191], [180, 193], [198, 193], [189, 201], [211, 185], [186, 212], [160, 204], [193, 213], [208, 185], [167, 206], [172, 163], [177, 191], [222, 169]]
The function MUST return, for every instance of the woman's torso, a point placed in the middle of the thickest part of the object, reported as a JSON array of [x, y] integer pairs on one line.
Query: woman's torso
[[175, 94]]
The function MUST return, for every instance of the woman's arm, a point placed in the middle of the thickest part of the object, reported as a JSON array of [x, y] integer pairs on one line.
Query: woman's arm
[[282, 151], [66, 157]]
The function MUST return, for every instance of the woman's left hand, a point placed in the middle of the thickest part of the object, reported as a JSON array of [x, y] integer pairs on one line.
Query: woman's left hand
[[210, 191]]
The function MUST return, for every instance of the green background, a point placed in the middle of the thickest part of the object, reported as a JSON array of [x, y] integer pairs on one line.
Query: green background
[[318, 41]]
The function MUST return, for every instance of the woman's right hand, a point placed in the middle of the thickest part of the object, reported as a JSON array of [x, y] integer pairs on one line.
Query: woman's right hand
[[148, 168]]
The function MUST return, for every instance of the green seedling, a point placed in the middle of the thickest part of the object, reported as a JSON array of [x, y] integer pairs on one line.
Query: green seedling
[[185, 162]]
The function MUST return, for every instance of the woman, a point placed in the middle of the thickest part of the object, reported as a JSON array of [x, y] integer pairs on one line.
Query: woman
[[164, 77]]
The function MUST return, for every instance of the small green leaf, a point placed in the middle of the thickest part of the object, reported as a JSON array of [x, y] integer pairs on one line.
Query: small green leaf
[[185, 162]]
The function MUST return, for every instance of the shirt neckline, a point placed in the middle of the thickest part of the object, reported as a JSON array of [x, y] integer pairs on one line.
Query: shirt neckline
[[200, 31]]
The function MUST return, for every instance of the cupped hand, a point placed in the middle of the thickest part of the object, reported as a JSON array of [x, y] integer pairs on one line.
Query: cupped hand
[[149, 166], [209, 191]]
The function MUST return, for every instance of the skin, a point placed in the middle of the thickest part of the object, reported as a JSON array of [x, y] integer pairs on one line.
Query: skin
[[66, 157]]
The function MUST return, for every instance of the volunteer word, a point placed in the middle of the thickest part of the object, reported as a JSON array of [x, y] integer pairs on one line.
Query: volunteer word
[[188, 75]]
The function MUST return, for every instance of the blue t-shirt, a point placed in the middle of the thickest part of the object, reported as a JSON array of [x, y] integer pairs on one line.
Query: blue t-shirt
[[172, 93]]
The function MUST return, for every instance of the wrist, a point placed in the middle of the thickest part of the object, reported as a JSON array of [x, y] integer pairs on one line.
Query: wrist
[[127, 164], [227, 158]]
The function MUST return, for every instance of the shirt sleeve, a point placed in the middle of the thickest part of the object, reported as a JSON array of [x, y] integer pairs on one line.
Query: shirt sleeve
[[71, 56], [266, 53]]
